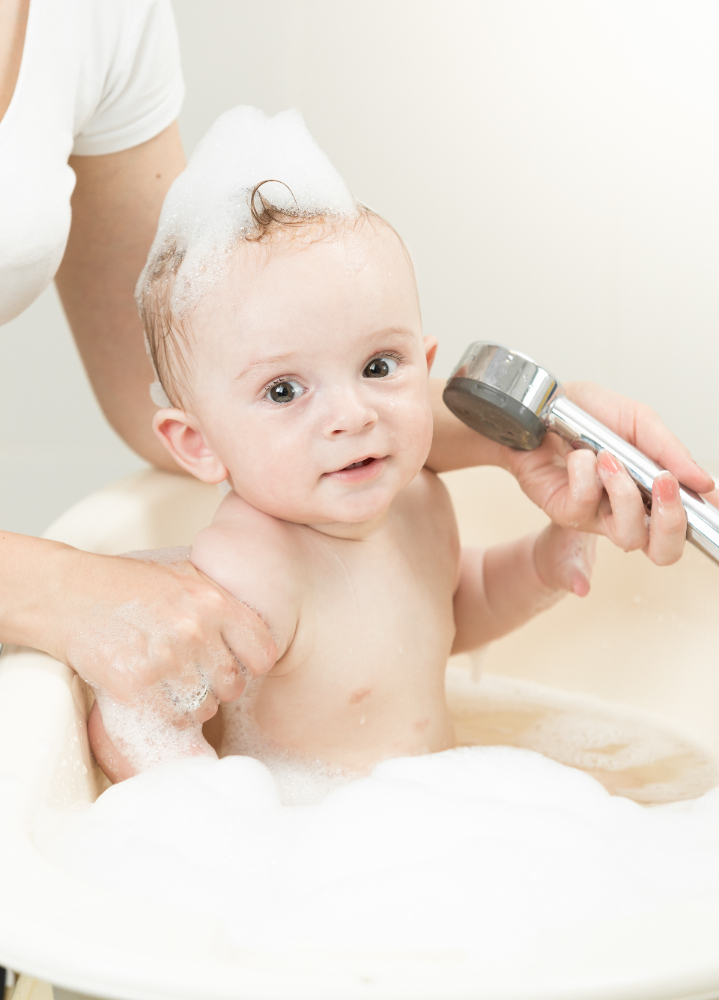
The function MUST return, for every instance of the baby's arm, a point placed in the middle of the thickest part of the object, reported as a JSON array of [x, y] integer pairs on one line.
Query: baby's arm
[[257, 559], [502, 587]]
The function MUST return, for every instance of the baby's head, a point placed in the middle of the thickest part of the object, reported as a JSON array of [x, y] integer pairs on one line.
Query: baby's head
[[284, 325]]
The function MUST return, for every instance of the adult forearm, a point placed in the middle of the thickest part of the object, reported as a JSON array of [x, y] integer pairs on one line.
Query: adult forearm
[[35, 575], [115, 208], [129, 627]]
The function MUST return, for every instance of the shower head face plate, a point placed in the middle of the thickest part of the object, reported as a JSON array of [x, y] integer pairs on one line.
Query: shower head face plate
[[493, 414], [501, 394]]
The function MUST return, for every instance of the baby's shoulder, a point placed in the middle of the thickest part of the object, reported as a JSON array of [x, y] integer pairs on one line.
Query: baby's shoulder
[[253, 556], [426, 508], [428, 496]]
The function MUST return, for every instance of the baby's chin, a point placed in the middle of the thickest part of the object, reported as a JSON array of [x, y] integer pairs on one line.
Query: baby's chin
[[348, 510], [325, 515], [330, 501]]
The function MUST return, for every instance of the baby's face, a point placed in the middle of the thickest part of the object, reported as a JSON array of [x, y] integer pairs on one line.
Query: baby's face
[[309, 379]]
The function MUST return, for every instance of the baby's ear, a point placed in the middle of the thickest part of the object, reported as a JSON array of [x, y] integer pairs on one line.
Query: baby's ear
[[185, 442], [430, 349]]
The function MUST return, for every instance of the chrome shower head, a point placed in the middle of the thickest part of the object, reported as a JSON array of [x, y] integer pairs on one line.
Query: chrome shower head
[[506, 396], [502, 394]]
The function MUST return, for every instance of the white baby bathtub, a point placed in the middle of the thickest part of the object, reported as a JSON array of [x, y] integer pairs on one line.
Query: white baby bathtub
[[645, 637]]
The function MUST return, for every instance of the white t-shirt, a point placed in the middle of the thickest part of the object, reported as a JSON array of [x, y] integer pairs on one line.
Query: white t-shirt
[[97, 76]]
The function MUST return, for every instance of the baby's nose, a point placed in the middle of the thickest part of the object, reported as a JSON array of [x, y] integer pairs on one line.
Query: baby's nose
[[349, 414]]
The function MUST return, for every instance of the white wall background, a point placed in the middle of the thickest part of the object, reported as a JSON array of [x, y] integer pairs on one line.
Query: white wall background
[[552, 164]]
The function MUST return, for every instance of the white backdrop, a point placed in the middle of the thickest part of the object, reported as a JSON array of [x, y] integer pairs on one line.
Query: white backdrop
[[552, 164]]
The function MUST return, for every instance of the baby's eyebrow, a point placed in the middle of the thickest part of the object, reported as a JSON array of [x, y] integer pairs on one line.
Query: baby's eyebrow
[[393, 331], [262, 363], [282, 360]]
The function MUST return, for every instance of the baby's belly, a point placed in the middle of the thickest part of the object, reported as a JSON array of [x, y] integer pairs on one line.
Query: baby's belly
[[348, 735]]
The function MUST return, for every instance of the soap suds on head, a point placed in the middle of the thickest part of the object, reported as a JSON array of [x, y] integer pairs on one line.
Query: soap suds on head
[[209, 209]]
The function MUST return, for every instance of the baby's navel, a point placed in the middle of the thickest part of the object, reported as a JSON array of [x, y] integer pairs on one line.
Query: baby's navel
[[359, 695]]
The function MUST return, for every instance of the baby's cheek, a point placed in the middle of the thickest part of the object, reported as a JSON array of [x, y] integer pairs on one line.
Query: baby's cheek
[[273, 476], [412, 431]]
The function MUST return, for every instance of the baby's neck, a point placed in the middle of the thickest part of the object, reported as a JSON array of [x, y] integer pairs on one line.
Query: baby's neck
[[353, 531], [350, 530]]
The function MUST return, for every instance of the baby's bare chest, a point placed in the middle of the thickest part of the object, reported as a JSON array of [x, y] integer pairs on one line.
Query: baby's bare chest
[[377, 609], [363, 678]]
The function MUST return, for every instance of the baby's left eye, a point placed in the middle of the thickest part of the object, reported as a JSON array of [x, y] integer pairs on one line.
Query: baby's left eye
[[284, 391], [380, 367]]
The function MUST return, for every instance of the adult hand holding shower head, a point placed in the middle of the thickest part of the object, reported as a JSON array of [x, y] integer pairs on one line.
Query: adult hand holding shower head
[[504, 395]]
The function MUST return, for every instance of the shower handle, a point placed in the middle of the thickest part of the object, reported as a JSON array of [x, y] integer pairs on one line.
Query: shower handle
[[509, 398], [581, 430]]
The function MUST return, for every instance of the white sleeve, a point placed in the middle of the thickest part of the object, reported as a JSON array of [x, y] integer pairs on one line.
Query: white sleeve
[[134, 75]]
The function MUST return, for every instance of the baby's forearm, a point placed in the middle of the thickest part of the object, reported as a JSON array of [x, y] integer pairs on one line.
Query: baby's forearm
[[499, 589]]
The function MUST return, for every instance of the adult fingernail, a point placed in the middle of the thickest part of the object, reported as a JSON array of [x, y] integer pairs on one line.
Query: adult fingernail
[[702, 470], [666, 488], [608, 463]]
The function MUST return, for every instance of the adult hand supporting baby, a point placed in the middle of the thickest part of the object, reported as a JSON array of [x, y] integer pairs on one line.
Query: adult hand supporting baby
[[580, 490], [128, 626]]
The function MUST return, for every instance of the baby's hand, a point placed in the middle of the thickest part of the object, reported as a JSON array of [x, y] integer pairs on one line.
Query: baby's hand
[[564, 559], [502, 587]]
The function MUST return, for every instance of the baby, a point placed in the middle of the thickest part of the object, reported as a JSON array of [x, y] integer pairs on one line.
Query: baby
[[284, 323]]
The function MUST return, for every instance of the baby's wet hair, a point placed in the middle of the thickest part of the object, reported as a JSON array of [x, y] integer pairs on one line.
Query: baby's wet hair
[[276, 228]]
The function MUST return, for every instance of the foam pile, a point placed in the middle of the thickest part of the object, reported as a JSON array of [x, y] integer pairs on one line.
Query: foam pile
[[467, 851], [207, 209]]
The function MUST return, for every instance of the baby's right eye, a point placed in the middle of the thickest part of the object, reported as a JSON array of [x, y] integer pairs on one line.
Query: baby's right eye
[[284, 391]]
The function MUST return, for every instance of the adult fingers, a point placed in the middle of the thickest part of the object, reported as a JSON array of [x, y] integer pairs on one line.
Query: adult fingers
[[644, 428], [134, 627], [626, 523], [206, 711], [230, 677], [712, 498], [249, 642], [585, 492], [668, 529], [246, 648]]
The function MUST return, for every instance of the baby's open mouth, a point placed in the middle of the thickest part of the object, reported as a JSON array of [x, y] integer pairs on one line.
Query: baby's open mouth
[[358, 465], [360, 470]]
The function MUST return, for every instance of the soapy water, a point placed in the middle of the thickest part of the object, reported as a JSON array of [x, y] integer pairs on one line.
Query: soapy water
[[207, 209], [156, 725], [300, 780], [144, 733], [629, 752], [469, 851]]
